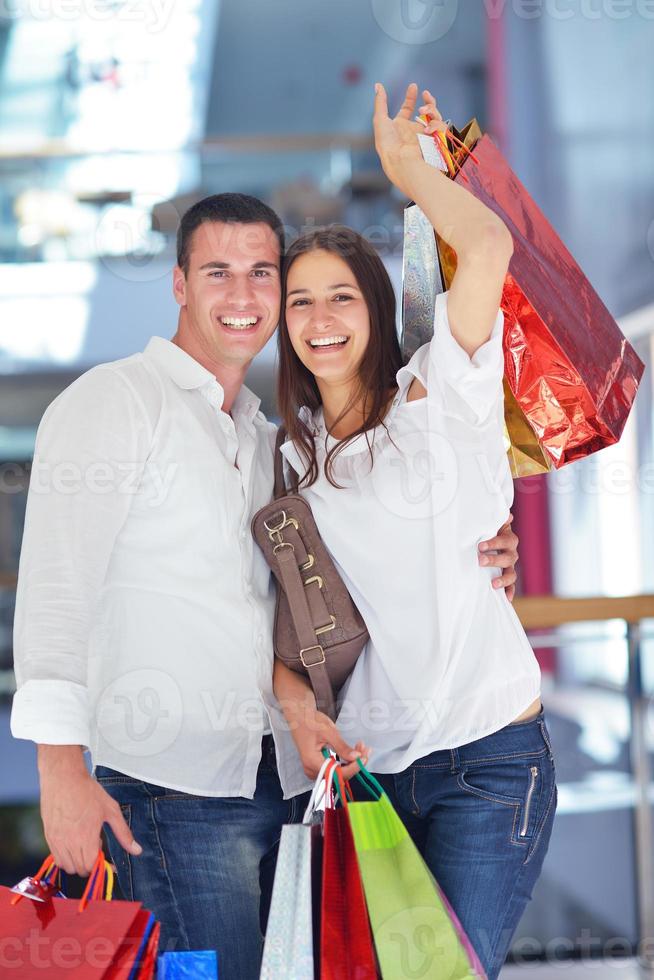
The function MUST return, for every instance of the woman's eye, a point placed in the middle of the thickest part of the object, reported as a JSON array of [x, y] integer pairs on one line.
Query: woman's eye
[[299, 302], [341, 296]]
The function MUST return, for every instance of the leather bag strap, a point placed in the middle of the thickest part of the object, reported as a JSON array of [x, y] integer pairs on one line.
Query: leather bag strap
[[311, 652]]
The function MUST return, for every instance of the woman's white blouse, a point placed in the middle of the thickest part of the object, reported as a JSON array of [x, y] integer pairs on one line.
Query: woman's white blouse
[[448, 661]]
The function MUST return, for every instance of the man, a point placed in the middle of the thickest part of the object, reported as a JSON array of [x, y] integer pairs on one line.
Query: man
[[144, 620]]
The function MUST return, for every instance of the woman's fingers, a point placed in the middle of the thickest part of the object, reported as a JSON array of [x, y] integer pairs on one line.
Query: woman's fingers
[[431, 120], [340, 746], [408, 108], [430, 111], [350, 771], [506, 580], [506, 541], [428, 97], [381, 103], [501, 559]]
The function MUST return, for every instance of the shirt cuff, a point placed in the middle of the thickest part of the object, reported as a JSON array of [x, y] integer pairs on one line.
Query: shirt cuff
[[51, 712], [477, 379]]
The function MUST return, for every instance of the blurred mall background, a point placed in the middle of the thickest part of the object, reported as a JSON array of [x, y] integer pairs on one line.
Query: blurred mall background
[[116, 114]]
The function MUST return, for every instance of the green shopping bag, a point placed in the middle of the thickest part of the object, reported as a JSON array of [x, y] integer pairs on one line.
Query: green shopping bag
[[415, 930]]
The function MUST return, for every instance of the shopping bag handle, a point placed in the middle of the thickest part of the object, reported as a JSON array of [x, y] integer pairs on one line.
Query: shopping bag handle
[[366, 778], [99, 885], [318, 790], [441, 137]]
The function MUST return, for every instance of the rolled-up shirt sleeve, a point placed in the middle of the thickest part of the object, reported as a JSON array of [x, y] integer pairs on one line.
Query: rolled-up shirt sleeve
[[466, 387], [91, 446]]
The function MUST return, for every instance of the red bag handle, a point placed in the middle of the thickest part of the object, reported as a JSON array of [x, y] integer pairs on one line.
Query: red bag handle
[[99, 885], [455, 139]]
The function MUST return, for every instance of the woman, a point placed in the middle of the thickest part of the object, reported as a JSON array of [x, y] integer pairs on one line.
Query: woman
[[406, 471]]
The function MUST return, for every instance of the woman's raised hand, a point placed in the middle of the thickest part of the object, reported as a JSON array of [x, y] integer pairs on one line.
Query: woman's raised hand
[[396, 140]]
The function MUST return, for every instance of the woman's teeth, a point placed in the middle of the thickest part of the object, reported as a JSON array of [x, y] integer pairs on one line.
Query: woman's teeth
[[239, 322], [327, 341]]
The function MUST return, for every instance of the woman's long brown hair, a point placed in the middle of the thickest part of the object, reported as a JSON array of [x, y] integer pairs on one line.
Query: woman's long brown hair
[[296, 385]]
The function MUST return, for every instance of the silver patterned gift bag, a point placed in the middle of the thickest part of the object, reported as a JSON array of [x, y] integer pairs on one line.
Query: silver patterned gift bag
[[422, 280], [288, 949], [288, 952]]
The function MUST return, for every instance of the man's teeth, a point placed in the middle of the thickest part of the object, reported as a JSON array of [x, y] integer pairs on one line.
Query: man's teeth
[[240, 322], [327, 341]]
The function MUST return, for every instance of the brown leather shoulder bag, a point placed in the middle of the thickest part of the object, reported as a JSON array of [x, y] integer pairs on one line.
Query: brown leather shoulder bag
[[318, 630]]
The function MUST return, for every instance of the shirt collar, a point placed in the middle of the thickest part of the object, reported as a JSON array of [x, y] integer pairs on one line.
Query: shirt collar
[[188, 373], [246, 403], [316, 424], [357, 445], [184, 370]]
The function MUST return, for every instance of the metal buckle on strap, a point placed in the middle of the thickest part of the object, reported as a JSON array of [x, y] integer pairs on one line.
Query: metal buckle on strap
[[275, 530], [314, 578], [282, 544], [309, 563], [326, 629], [284, 522], [314, 663]]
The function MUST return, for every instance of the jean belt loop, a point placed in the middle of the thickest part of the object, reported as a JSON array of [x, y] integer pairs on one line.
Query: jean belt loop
[[543, 731], [456, 762]]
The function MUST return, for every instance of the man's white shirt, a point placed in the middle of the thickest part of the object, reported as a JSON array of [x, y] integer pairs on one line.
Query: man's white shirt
[[144, 609]]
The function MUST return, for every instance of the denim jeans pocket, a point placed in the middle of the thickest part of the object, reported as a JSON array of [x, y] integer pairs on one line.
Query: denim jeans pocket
[[120, 857], [522, 784]]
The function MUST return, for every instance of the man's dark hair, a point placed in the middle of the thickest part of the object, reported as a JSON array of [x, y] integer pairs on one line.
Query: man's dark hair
[[234, 208]]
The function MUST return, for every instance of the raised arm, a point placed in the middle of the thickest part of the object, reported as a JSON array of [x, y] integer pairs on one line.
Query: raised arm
[[480, 238]]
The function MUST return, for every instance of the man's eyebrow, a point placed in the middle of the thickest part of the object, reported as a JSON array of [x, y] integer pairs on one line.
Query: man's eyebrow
[[263, 264], [338, 285]]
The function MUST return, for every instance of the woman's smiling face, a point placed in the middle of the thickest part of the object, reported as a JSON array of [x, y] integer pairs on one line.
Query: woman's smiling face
[[326, 316]]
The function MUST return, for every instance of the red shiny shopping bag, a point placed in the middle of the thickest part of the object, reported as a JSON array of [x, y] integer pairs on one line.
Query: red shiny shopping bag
[[135, 958], [346, 948], [55, 937], [570, 374]]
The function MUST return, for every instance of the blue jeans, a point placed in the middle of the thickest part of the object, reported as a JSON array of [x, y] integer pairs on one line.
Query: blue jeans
[[208, 863], [481, 816]]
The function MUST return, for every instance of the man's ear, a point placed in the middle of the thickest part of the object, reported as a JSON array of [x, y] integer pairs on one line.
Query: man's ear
[[179, 286]]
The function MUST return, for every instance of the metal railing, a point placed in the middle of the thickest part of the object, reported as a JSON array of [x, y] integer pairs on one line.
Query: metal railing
[[550, 612]]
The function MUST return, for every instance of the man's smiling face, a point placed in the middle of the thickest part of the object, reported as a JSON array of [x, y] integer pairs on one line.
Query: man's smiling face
[[230, 293]]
